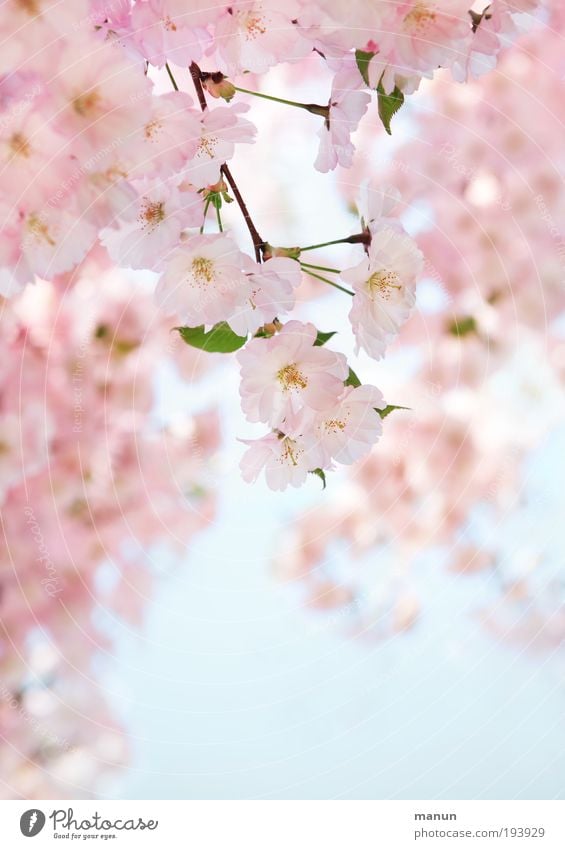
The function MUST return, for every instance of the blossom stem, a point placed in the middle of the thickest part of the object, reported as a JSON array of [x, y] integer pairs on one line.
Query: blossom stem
[[355, 239], [219, 217], [206, 205], [258, 242], [320, 267], [315, 108], [325, 280], [172, 79]]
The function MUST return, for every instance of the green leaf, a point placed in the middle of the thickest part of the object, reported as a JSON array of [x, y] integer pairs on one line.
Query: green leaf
[[363, 58], [352, 379], [463, 326], [389, 104], [389, 409], [322, 337], [219, 340], [321, 474]]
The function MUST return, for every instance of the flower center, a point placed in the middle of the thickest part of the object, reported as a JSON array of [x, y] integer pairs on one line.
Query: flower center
[[152, 214], [152, 129], [334, 425], [29, 6], [291, 378], [39, 229], [254, 26], [420, 19], [290, 451], [382, 282], [202, 270], [207, 146], [20, 146], [169, 24], [84, 104]]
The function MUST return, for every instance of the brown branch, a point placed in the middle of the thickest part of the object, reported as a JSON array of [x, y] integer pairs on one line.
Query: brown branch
[[196, 75], [258, 242]]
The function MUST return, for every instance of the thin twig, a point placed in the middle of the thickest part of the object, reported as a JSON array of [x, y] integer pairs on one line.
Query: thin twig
[[325, 280], [258, 242]]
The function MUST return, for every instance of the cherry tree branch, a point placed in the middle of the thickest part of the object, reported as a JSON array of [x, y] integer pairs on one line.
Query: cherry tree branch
[[258, 242]]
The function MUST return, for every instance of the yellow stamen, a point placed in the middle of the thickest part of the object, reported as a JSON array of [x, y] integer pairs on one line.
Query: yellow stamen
[[419, 20], [152, 214], [20, 146], [152, 129], [254, 26], [86, 103], [202, 270], [381, 282], [291, 378], [39, 229], [207, 146]]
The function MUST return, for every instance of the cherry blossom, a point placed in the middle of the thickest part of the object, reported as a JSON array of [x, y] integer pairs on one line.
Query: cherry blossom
[[345, 109], [100, 96], [221, 128], [286, 375], [167, 31], [348, 431], [270, 293], [285, 460], [153, 225], [385, 290], [169, 138], [203, 281], [254, 35]]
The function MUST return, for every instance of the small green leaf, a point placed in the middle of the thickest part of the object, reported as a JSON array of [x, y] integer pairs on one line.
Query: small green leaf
[[389, 409], [320, 474], [389, 104], [219, 340], [362, 57], [352, 379], [322, 337], [463, 326]]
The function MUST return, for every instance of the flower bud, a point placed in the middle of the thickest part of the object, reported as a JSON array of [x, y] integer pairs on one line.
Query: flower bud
[[218, 86]]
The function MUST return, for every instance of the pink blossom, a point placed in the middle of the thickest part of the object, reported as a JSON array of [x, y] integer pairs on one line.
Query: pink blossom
[[285, 460], [349, 430], [52, 240], [168, 139], [100, 96], [379, 206], [31, 33], [254, 35], [167, 31], [346, 108], [285, 376], [424, 35], [385, 290], [269, 293], [203, 281], [153, 225], [221, 129]]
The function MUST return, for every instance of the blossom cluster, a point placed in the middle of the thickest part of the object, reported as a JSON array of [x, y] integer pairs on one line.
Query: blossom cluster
[[94, 151], [89, 484]]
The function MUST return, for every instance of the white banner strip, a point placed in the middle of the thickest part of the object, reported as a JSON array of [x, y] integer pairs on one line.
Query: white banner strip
[[284, 824]]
